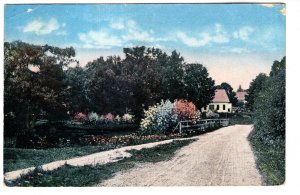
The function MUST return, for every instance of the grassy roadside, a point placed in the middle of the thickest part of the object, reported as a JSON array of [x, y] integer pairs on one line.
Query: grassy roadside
[[270, 161], [91, 175], [18, 158]]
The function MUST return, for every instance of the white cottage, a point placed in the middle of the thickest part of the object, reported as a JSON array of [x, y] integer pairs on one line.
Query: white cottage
[[220, 103]]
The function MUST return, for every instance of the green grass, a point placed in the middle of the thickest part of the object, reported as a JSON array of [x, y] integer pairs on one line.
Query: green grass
[[240, 120], [19, 158], [90, 175], [270, 161]]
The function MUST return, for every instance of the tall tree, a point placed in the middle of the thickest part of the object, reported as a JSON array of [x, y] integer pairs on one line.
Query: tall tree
[[199, 87], [172, 79], [76, 79], [229, 90], [34, 81], [142, 69], [277, 66], [108, 91], [255, 87]]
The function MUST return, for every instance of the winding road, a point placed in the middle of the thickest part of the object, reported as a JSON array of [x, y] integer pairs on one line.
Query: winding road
[[223, 157]]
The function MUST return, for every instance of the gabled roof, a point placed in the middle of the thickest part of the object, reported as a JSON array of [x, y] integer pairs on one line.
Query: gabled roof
[[241, 95], [220, 96]]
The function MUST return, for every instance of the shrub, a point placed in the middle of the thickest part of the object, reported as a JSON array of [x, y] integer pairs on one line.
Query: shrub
[[148, 122], [198, 115], [128, 118], [211, 114], [80, 117], [109, 117], [185, 110], [166, 118], [93, 117], [118, 119], [101, 118]]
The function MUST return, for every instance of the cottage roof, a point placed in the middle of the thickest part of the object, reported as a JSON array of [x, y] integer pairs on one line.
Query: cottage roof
[[221, 96], [241, 95]]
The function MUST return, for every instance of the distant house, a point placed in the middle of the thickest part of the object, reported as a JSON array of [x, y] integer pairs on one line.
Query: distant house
[[241, 96], [220, 103]]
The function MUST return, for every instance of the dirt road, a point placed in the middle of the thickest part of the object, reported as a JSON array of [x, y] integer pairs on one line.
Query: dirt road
[[222, 157]]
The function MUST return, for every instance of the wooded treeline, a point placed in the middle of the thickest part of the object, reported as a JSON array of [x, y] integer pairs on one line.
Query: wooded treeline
[[39, 83]]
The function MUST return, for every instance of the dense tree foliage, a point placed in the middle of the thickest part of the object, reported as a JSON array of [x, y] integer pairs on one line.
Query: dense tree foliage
[[77, 99], [199, 87], [38, 80], [34, 82], [255, 87], [268, 134], [231, 94], [269, 105]]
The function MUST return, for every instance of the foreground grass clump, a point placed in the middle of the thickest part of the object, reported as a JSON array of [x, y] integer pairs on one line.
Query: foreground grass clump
[[18, 158], [270, 161], [91, 175]]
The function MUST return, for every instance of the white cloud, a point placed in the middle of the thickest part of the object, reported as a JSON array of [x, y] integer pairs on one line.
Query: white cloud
[[138, 35], [29, 10], [204, 39], [243, 33], [99, 39], [119, 25], [121, 33], [217, 36], [239, 50], [132, 32], [40, 27]]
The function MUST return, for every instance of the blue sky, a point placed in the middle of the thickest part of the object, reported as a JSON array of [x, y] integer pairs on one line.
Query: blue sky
[[234, 41]]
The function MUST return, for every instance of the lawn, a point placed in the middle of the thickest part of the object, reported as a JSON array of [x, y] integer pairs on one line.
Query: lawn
[[91, 175]]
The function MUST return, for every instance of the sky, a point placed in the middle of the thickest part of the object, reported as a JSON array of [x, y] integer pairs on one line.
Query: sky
[[235, 42]]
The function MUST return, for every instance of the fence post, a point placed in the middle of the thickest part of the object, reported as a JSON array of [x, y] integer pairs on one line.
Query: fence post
[[180, 131]]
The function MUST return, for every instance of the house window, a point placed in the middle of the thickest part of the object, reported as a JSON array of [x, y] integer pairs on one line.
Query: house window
[[218, 107], [224, 107], [228, 109], [211, 107]]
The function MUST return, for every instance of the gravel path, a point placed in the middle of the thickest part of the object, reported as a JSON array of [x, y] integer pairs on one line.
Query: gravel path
[[222, 157]]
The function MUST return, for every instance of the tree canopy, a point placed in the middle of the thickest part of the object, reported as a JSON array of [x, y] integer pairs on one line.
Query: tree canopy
[[255, 87], [38, 79], [34, 81]]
